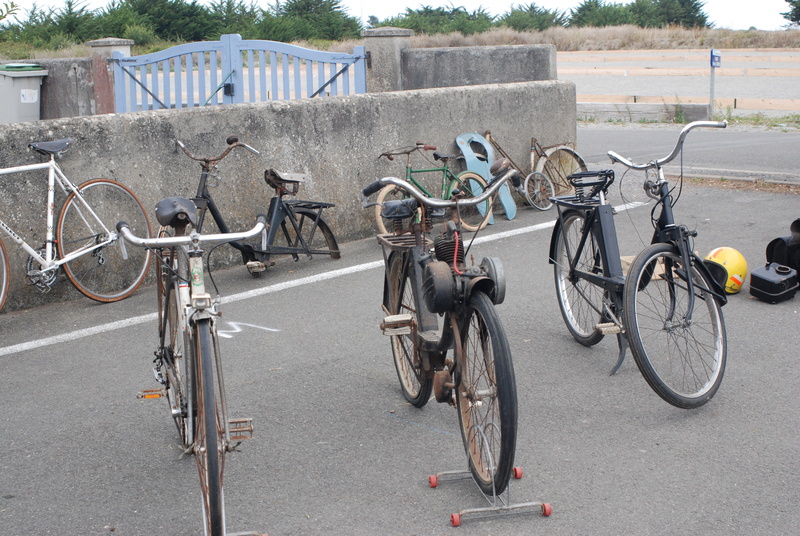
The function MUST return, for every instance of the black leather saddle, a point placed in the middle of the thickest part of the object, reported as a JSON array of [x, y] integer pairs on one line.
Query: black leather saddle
[[176, 211]]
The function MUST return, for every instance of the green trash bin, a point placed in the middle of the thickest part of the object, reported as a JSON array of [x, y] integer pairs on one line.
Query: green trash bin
[[20, 92]]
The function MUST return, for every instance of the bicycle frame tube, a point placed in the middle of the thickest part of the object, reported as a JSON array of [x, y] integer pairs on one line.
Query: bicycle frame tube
[[55, 175], [410, 178], [209, 204]]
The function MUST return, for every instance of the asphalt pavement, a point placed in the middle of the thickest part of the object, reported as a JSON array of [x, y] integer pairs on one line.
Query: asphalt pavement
[[336, 450]]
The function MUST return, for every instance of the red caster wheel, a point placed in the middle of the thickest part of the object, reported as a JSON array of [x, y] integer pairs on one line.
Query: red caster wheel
[[546, 509], [518, 472], [433, 481], [455, 519]]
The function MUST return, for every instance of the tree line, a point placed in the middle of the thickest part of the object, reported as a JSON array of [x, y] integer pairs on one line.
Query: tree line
[[147, 21]]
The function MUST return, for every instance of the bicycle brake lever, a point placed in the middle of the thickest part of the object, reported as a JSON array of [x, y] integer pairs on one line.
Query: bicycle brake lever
[[122, 247], [252, 150], [365, 201]]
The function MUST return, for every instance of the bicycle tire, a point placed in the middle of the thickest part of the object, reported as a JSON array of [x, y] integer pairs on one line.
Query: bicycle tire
[[415, 386], [684, 364], [538, 189], [209, 448], [3, 275], [486, 396], [580, 302], [103, 275], [475, 217], [387, 193], [560, 163], [312, 231], [176, 353]]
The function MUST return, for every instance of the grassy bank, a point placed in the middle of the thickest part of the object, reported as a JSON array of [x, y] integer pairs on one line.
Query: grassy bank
[[564, 39]]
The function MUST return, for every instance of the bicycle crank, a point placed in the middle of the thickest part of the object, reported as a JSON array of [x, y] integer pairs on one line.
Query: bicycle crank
[[443, 386], [42, 279]]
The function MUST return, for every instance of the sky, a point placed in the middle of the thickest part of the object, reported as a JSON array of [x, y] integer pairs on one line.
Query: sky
[[731, 14]]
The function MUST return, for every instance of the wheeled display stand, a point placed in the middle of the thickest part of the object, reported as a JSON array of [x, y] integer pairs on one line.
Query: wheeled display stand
[[499, 504]]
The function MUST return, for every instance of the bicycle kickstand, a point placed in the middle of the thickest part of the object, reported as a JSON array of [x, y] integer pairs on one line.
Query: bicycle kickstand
[[623, 348]]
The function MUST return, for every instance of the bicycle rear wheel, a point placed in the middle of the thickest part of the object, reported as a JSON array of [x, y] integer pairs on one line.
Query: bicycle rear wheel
[[487, 396], [560, 163], [3, 275], [103, 274], [311, 233], [472, 217], [407, 360], [209, 445], [681, 352], [581, 302], [176, 355], [538, 190]]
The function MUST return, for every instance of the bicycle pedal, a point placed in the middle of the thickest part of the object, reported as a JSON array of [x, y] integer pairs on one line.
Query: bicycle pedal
[[608, 329], [151, 393], [397, 324], [240, 429], [255, 266]]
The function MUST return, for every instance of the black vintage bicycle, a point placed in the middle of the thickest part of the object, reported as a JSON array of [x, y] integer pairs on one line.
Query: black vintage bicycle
[[668, 307], [427, 278], [294, 227]]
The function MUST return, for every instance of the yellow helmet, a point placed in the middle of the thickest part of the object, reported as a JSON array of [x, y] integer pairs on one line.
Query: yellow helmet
[[728, 267]]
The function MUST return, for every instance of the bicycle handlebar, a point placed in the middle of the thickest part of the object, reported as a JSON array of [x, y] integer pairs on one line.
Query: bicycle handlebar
[[232, 141], [432, 202], [408, 150], [194, 238], [615, 157]]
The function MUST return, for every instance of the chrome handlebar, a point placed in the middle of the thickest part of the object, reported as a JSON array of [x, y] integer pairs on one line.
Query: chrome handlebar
[[655, 164]]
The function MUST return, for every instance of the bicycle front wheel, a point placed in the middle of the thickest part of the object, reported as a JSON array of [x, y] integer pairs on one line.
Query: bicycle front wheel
[[3, 275], [581, 302], [681, 349], [407, 359], [538, 190], [103, 274], [561, 162], [487, 396], [209, 446], [472, 217]]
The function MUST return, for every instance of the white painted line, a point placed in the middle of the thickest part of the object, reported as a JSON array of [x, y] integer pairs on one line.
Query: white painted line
[[151, 317], [81, 333]]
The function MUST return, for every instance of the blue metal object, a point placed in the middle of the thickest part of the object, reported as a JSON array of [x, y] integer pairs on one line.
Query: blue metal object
[[480, 164]]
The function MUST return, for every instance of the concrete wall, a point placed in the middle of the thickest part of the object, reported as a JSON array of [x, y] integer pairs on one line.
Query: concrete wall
[[336, 141], [463, 66]]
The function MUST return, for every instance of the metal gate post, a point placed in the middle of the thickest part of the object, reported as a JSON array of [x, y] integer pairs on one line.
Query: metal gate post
[[232, 79]]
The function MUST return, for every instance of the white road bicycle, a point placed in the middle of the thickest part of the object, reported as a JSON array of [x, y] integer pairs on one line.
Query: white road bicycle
[[83, 241]]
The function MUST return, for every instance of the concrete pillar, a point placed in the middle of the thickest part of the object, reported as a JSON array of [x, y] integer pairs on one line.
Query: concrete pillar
[[105, 48], [102, 74], [385, 46]]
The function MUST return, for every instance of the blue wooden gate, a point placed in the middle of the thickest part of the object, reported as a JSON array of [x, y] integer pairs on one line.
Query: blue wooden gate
[[233, 70]]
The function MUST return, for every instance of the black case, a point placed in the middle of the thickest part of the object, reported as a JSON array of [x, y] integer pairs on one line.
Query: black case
[[773, 282]]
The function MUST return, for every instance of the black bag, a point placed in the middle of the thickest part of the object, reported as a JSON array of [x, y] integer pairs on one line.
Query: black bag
[[786, 249]]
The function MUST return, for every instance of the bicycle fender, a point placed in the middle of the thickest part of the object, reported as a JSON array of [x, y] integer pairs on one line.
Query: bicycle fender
[[716, 288], [486, 285], [554, 237]]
